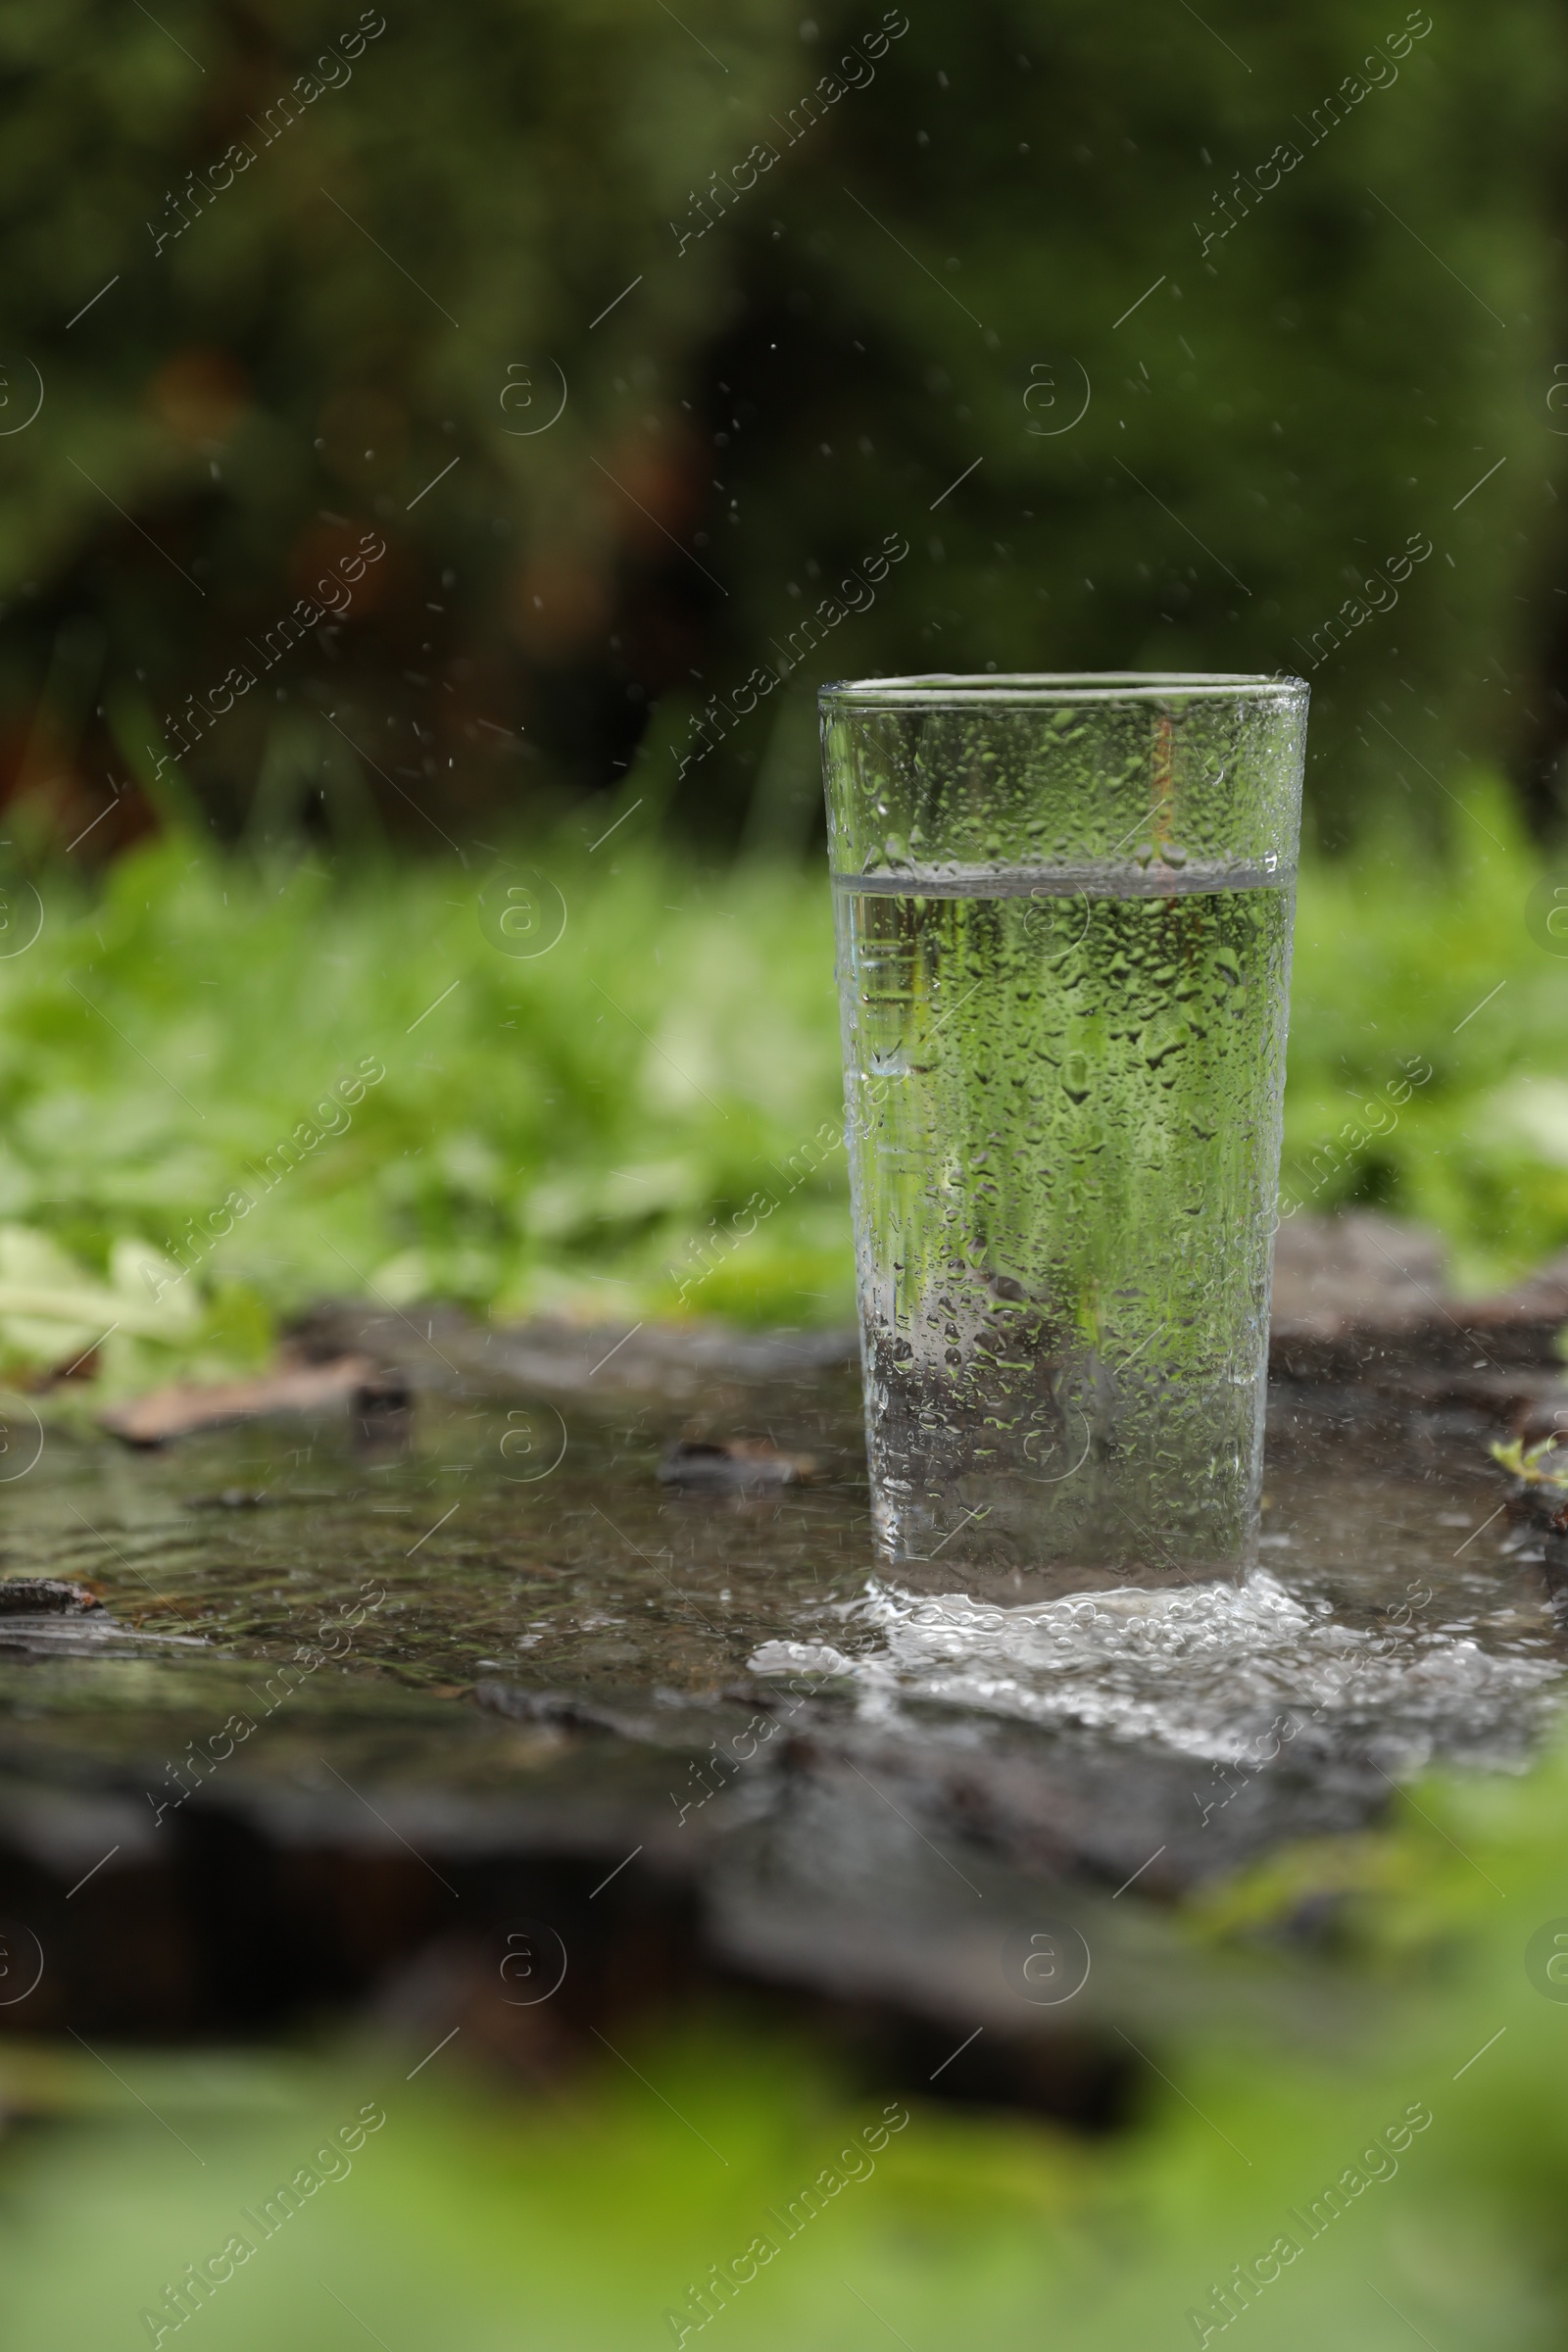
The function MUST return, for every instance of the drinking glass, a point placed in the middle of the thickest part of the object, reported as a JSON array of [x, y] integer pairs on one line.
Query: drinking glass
[[1064, 908]]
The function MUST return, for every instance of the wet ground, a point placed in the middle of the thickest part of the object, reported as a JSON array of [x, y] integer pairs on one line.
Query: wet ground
[[350, 1677]]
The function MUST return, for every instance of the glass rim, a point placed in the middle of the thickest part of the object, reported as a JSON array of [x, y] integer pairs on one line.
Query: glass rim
[[1061, 689]]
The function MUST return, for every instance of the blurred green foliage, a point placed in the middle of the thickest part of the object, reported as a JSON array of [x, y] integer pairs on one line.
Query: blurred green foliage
[[1276, 2057], [596, 1125], [367, 325], [1405, 964]]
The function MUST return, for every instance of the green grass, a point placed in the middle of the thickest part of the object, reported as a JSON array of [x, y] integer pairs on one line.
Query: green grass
[[1397, 956], [565, 1130]]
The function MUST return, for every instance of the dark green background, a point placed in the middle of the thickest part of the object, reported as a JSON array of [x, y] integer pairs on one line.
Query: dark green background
[[763, 405]]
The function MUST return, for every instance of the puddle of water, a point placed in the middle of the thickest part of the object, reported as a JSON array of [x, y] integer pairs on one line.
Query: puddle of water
[[1388, 1621]]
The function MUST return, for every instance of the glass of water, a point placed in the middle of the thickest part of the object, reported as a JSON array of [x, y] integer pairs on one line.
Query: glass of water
[[1064, 907]]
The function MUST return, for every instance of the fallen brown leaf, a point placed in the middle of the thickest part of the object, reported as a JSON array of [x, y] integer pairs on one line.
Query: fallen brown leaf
[[731, 1466], [291, 1388]]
